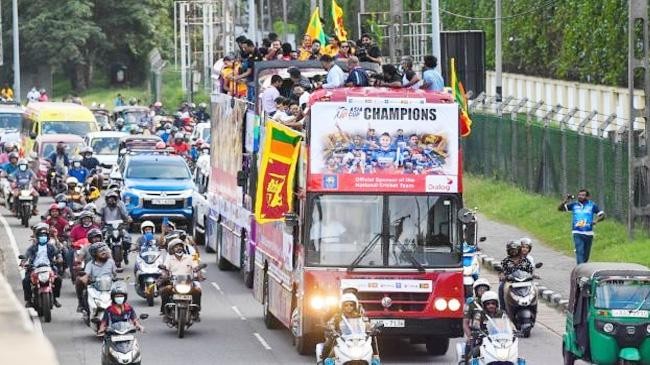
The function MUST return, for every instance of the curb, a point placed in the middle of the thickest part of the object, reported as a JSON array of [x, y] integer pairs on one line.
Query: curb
[[551, 297]]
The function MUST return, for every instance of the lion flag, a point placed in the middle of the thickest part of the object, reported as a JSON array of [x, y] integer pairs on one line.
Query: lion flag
[[339, 27]]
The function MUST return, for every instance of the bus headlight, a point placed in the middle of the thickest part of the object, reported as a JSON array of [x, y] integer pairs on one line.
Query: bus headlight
[[319, 302], [440, 304], [453, 304]]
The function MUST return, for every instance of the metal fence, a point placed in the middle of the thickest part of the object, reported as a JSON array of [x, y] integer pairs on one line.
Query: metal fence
[[550, 150]]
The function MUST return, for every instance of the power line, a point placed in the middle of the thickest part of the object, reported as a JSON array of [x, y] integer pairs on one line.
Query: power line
[[533, 10]]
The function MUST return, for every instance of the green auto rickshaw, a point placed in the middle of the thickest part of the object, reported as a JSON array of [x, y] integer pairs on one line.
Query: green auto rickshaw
[[608, 320]]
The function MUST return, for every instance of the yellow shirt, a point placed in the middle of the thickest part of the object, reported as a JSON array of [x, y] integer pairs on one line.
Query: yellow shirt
[[304, 54], [330, 50], [7, 93], [241, 89]]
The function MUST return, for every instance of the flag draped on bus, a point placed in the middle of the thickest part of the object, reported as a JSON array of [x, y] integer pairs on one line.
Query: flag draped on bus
[[459, 95], [315, 28], [278, 166], [339, 27]]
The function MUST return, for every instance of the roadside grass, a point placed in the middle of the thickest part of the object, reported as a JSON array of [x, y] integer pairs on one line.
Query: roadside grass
[[538, 215]]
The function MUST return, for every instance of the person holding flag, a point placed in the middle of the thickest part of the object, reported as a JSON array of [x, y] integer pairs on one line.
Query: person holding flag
[[315, 28]]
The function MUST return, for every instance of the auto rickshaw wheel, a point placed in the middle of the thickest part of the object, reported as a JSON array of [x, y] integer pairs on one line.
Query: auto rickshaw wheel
[[569, 357]]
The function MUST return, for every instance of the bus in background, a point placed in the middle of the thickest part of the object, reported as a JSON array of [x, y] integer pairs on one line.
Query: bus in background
[[55, 118]]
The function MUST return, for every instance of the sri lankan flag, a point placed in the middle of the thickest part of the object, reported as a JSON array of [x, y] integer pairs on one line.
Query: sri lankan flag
[[458, 92], [315, 28], [278, 166], [339, 27]]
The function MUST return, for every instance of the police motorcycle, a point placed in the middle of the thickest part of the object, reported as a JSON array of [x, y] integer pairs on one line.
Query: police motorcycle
[[498, 345], [180, 312], [353, 344], [521, 294], [471, 264], [146, 271]]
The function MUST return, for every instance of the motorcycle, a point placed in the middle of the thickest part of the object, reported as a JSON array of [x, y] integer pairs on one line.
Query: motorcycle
[[120, 345], [499, 345], [42, 284], [353, 344], [147, 272], [55, 182], [114, 236], [24, 204], [471, 268], [76, 262], [5, 190], [98, 299], [520, 294], [180, 313]]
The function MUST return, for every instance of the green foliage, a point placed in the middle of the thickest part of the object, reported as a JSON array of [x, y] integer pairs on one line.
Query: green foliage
[[538, 215], [280, 28]]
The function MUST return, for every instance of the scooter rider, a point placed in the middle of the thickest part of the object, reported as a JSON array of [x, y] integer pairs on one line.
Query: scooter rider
[[41, 252], [119, 310], [148, 229], [526, 248], [74, 196], [101, 265], [9, 147], [180, 146], [112, 211], [178, 263], [25, 177], [80, 230], [59, 159], [513, 262], [91, 163], [77, 171], [56, 220], [11, 166]]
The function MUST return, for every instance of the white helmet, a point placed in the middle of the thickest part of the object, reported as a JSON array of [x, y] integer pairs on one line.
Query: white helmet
[[349, 297], [479, 282], [525, 241], [71, 180], [489, 296], [146, 224]]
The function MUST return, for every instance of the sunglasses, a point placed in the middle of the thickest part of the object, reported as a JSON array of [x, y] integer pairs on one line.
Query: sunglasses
[[345, 46]]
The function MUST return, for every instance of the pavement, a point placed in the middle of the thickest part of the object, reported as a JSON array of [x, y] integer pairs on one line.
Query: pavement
[[232, 330]]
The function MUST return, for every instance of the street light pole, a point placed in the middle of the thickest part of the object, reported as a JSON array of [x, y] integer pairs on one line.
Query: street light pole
[[435, 32], [497, 52], [16, 51]]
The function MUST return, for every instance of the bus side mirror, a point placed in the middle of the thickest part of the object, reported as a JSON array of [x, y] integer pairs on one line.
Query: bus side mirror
[[242, 177]]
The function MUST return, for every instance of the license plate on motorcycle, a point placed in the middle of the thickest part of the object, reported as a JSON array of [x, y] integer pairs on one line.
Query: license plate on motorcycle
[[394, 323], [28, 197], [121, 338], [182, 297], [163, 201]]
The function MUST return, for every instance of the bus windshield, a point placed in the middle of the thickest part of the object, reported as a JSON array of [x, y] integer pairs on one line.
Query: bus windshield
[[78, 128], [10, 121], [402, 231]]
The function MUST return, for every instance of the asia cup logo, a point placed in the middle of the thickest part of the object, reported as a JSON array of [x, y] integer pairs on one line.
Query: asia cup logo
[[343, 113]]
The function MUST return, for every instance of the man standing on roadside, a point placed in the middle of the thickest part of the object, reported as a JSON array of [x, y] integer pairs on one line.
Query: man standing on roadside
[[583, 211]]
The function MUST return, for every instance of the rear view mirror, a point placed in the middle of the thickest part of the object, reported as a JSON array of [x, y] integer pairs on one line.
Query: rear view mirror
[[144, 316], [539, 265], [482, 239], [22, 257], [466, 216]]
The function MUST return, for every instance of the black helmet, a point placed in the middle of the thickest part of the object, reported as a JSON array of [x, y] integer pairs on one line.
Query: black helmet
[[93, 233], [513, 248]]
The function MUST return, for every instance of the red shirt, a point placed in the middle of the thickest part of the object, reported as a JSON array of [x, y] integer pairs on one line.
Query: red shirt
[[114, 314], [59, 223], [181, 149], [80, 232]]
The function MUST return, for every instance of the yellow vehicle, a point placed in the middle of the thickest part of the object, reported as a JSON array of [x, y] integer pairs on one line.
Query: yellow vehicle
[[56, 118]]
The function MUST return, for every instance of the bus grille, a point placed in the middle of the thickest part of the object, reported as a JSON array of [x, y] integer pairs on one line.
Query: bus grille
[[400, 301]]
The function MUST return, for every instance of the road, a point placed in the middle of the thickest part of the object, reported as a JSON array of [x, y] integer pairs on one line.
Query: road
[[232, 330]]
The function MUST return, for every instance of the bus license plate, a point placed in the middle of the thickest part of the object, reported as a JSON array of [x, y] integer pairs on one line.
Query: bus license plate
[[182, 297], [394, 323], [163, 201]]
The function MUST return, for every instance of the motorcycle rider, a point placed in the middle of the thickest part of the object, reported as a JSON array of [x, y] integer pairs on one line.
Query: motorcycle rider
[[147, 229], [526, 248], [56, 220], [490, 305], [91, 163], [201, 114], [74, 196], [9, 147], [11, 166], [78, 171], [472, 308], [178, 262], [112, 211], [101, 264], [166, 228], [166, 134], [80, 230], [119, 124], [40, 253], [59, 159], [349, 309], [119, 310], [513, 262], [25, 177], [180, 146], [158, 108]]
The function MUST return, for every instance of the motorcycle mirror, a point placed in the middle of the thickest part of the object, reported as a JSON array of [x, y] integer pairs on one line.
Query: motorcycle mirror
[[482, 239], [144, 316], [162, 267], [498, 268], [538, 265], [22, 257], [203, 266], [465, 215]]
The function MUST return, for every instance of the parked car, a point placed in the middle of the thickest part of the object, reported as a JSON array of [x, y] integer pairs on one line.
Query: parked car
[[11, 120]]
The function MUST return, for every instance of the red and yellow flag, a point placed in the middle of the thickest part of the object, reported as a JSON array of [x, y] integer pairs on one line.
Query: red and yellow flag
[[278, 166], [315, 28], [339, 27], [458, 92]]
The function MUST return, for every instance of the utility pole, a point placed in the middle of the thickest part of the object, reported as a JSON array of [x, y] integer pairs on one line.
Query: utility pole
[[362, 6], [497, 52], [321, 9], [285, 34], [435, 33], [312, 6], [395, 30], [252, 21], [16, 51]]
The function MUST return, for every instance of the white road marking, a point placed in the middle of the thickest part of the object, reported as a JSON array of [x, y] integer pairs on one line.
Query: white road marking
[[216, 286], [238, 312], [12, 243], [262, 341]]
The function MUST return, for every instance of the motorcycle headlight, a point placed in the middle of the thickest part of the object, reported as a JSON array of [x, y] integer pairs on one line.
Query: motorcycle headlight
[[647, 329], [502, 354], [183, 288], [609, 328], [43, 277], [25, 193], [116, 233], [467, 270], [319, 302]]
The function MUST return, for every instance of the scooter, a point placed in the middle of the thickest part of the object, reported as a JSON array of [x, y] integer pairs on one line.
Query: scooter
[[353, 344], [98, 298], [180, 313], [120, 345], [520, 294], [147, 272], [498, 345]]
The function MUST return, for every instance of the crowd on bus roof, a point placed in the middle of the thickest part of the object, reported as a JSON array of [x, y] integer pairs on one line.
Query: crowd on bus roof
[[288, 98]]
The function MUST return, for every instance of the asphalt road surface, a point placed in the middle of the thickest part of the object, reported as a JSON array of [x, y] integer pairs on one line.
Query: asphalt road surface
[[231, 330]]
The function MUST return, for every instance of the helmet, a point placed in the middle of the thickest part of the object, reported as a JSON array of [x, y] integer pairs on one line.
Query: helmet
[[146, 224], [119, 121], [112, 194], [199, 142], [178, 115], [513, 248], [202, 106], [157, 104], [173, 243], [90, 207], [480, 282], [9, 146], [349, 297], [23, 162], [94, 247], [86, 214], [53, 207], [13, 155], [41, 228], [87, 149], [60, 198], [119, 288], [179, 136], [170, 224], [161, 145], [77, 159], [95, 232], [489, 296], [525, 241], [71, 180]]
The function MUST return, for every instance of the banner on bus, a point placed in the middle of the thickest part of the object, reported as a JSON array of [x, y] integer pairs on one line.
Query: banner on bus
[[384, 147], [278, 166]]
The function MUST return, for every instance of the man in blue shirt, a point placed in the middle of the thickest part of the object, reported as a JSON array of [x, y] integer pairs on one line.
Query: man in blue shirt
[[583, 211], [432, 80]]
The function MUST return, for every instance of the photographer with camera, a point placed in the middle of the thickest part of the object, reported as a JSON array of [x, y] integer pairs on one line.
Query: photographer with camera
[[583, 211], [367, 51]]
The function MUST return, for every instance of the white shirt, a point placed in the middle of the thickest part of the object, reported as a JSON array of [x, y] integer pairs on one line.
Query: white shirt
[[304, 99], [268, 99], [183, 266], [335, 78], [282, 116]]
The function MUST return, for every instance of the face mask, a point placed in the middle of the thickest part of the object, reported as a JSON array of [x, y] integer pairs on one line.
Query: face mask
[[86, 224], [168, 130], [148, 236], [119, 300], [178, 253], [42, 240], [22, 167]]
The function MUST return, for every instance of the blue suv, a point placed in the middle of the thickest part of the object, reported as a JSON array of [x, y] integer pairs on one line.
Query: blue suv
[[156, 186]]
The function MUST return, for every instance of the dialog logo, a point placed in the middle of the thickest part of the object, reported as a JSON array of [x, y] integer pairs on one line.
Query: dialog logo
[[330, 182], [441, 184]]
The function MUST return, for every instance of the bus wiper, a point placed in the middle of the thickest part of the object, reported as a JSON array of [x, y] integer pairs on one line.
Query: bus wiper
[[366, 250], [410, 256]]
